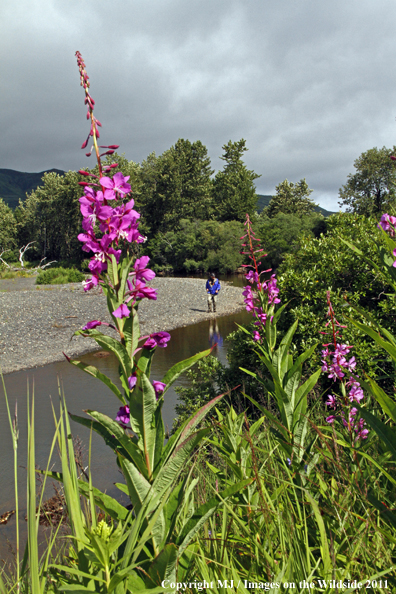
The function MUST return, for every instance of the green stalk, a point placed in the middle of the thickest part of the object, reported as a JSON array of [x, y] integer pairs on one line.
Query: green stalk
[[31, 504], [15, 434]]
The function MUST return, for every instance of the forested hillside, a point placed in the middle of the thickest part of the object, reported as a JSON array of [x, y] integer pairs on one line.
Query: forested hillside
[[14, 185]]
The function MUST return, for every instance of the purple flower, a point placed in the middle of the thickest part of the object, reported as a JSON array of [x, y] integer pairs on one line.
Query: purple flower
[[252, 276], [331, 401], [362, 434], [161, 338], [92, 324], [256, 336], [157, 339], [90, 283], [116, 185], [330, 419], [122, 311], [97, 266], [159, 387], [140, 270], [123, 416], [132, 379]]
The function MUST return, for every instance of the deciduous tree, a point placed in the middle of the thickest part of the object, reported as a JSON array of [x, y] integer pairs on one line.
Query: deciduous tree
[[371, 190]]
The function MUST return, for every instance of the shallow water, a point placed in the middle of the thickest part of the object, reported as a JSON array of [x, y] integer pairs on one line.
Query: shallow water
[[84, 392]]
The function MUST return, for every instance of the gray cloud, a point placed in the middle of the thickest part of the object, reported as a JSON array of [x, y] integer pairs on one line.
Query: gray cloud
[[306, 83]]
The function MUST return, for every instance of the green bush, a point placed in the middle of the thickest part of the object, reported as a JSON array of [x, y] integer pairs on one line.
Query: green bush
[[59, 276], [197, 245], [327, 263], [284, 233]]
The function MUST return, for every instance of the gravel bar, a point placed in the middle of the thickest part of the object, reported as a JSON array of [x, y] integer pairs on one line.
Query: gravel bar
[[37, 322]]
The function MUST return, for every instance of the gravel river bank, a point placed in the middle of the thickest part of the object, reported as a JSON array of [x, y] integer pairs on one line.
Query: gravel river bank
[[37, 322]]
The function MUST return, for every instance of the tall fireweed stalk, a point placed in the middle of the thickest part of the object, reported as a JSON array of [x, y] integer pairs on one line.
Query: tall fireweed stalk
[[259, 295], [109, 223], [152, 469], [340, 369]]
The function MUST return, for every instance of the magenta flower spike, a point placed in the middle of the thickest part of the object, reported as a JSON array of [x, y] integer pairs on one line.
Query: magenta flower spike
[[338, 368]]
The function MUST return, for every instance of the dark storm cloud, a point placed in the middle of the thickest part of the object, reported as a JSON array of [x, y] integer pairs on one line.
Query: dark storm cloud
[[308, 84]]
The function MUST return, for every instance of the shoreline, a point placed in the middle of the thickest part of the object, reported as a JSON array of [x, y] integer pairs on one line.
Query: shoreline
[[36, 325]]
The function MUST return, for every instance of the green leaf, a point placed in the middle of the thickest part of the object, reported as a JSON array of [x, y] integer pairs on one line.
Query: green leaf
[[385, 433], [114, 436], [94, 372], [387, 404], [324, 549], [132, 332], [177, 460], [112, 346], [304, 390], [174, 372], [284, 433], [142, 406], [188, 427], [203, 513], [387, 514], [164, 565], [388, 346]]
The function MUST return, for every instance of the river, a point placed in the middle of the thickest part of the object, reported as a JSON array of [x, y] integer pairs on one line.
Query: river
[[84, 392]]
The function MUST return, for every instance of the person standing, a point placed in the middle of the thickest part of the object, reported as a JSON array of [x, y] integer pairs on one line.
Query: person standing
[[212, 290]]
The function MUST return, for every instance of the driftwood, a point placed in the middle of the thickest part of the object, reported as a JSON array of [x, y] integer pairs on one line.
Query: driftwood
[[22, 251]]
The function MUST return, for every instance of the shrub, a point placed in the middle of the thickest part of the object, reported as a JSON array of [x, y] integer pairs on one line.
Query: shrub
[[59, 276], [328, 263]]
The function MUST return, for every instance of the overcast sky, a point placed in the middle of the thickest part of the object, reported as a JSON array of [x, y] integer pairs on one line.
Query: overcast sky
[[309, 84]]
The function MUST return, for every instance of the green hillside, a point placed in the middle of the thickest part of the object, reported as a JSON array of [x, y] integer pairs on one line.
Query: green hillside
[[15, 184], [264, 199]]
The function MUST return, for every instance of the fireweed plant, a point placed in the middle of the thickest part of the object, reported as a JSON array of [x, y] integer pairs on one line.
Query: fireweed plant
[[340, 369], [259, 295], [152, 468], [282, 382]]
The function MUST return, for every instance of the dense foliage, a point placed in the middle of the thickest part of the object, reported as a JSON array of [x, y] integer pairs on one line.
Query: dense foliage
[[327, 263], [59, 276], [8, 228], [198, 246], [283, 233]]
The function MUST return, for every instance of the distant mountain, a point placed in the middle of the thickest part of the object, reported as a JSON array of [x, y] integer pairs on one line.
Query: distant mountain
[[15, 184], [264, 200]]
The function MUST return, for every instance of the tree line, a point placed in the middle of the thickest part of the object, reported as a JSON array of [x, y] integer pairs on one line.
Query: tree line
[[192, 217]]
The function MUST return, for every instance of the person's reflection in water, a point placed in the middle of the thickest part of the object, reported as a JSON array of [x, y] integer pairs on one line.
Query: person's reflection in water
[[214, 334]]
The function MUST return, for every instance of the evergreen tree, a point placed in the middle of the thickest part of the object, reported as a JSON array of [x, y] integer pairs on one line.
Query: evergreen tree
[[371, 190], [234, 191], [291, 198], [176, 186]]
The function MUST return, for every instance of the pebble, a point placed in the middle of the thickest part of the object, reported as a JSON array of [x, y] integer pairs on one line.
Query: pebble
[[37, 324]]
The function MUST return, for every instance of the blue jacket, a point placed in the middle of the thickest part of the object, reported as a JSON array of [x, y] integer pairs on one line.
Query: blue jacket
[[213, 288]]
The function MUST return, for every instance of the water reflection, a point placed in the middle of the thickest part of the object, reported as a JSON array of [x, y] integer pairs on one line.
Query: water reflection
[[85, 392], [215, 338]]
